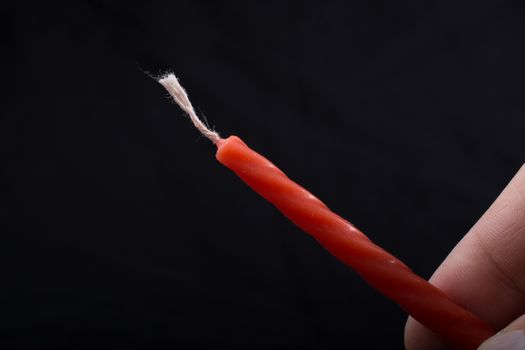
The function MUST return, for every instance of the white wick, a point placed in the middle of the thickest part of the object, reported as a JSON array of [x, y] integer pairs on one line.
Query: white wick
[[171, 83]]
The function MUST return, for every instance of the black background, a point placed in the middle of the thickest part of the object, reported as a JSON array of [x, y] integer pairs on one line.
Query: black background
[[119, 226]]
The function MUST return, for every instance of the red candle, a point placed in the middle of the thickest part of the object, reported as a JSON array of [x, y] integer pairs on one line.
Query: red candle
[[423, 301]]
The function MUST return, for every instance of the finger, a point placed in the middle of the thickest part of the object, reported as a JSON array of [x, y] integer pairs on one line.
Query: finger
[[485, 272], [511, 337], [518, 324]]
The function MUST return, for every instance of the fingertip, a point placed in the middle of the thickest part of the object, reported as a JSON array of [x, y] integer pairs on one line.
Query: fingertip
[[419, 337], [518, 324], [511, 337]]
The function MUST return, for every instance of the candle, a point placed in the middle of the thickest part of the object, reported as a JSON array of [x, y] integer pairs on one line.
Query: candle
[[422, 300]]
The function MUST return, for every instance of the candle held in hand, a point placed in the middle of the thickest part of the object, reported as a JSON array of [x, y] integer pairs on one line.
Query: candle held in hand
[[426, 303]]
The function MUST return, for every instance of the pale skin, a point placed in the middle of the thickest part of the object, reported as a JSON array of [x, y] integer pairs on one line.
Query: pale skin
[[485, 272]]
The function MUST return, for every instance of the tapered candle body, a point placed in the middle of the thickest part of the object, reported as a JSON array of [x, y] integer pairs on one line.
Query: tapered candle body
[[426, 303]]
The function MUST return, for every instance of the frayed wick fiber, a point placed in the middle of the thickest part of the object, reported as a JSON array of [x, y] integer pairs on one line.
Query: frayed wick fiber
[[172, 85]]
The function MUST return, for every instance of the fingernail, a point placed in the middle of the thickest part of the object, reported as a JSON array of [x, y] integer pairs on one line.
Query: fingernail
[[514, 340]]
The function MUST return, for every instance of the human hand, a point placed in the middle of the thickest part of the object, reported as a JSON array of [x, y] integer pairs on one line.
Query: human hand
[[485, 273]]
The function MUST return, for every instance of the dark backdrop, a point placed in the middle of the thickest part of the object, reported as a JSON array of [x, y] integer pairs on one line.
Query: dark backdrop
[[120, 228]]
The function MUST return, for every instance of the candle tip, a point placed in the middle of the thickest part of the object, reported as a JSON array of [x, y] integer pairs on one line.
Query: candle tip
[[172, 85]]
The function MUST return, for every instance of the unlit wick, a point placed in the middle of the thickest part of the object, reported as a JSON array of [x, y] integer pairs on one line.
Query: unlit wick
[[171, 83]]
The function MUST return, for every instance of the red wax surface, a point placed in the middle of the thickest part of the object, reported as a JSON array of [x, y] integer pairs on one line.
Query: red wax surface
[[426, 303]]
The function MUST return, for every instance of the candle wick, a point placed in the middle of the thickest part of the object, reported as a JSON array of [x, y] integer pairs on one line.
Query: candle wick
[[172, 85]]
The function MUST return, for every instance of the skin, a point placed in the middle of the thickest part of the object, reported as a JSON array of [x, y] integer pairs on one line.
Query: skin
[[485, 272], [518, 324]]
